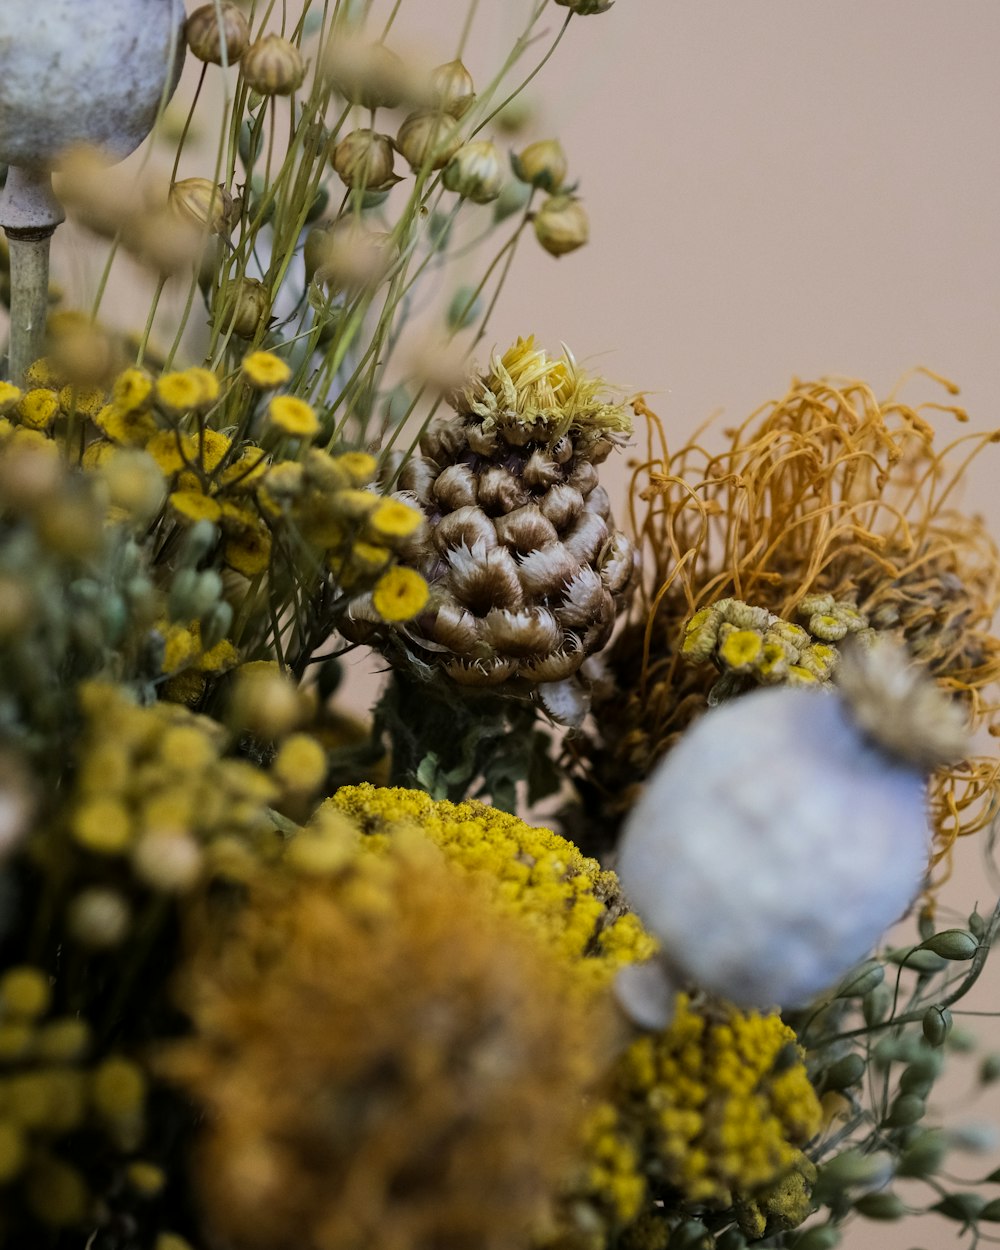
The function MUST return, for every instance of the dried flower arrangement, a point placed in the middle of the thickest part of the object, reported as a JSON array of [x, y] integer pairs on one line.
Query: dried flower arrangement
[[271, 975]]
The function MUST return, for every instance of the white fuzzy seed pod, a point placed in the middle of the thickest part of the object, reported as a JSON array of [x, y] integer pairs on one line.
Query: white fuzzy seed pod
[[775, 844]]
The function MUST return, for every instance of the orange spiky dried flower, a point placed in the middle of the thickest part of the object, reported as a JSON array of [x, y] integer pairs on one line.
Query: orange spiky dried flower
[[827, 491]]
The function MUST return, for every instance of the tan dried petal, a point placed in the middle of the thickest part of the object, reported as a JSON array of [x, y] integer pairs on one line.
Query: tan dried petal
[[541, 470], [417, 476], [455, 487], [562, 449], [599, 501], [618, 564], [525, 529], [500, 490], [468, 525], [482, 442], [583, 476], [482, 579], [583, 601], [599, 633], [556, 666], [489, 672], [586, 537], [547, 570], [527, 632], [442, 439], [455, 628], [561, 505]]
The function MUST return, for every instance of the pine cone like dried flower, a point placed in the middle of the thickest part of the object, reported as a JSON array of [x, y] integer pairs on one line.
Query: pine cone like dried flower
[[525, 565]]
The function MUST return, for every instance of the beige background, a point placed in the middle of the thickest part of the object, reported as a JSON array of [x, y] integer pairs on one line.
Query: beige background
[[785, 188], [777, 189]]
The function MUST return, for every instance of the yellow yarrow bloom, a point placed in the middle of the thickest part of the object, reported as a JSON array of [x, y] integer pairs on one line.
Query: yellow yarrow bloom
[[399, 594], [726, 1111], [38, 408], [293, 416], [265, 370]]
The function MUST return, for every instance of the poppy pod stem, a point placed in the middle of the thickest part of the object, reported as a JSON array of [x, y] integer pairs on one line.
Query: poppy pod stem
[[29, 214]]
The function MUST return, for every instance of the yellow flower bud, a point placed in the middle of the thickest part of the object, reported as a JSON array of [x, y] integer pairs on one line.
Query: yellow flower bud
[[273, 66], [428, 139], [244, 306], [204, 203], [561, 225], [452, 89], [365, 159], [205, 36], [542, 164], [475, 172]]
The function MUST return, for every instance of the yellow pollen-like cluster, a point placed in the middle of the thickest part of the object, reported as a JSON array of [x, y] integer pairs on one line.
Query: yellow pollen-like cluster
[[726, 1102], [533, 873]]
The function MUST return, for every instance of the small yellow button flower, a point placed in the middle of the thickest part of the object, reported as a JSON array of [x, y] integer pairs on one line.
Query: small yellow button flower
[[194, 506], [358, 466], [38, 408], [179, 391], [265, 370], [293, 416], [86, 400], [9, 396], [399, 594], [131, 388], [741, 648], [394, 519]]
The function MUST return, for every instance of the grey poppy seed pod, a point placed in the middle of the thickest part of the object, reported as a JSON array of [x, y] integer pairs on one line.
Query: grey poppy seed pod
[[840, 840], [76, 73]]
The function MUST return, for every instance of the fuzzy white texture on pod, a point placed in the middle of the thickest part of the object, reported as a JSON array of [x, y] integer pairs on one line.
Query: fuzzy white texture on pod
[[774, 846], [78, 72]]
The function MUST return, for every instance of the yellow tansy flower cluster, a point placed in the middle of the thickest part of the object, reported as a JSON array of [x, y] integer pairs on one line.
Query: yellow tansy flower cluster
[[152, 785], [50, 1087], [724, 1101], [751, 645]]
